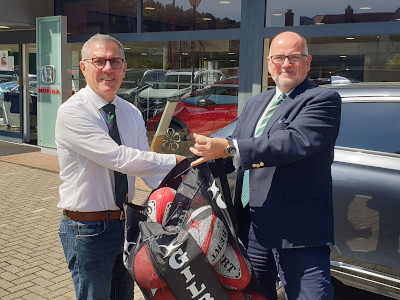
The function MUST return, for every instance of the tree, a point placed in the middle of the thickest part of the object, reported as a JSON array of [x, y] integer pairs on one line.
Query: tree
[[394, 62]]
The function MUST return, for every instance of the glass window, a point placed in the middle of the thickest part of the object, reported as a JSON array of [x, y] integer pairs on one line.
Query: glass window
[[9, 88], [362, 127], [351, 59], [181, 15], [93, 16], [200, 76], [314, 12]]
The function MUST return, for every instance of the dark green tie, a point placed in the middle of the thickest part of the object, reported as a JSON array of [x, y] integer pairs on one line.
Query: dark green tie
[[259, 130], [121, 180]]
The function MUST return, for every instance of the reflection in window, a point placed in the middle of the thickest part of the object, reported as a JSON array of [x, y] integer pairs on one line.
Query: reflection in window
[[181, 15], [346, 59], [158, 72], [311, 12], [93, 16], [202, 111], [9, 88], [362, 127], [162, 71]]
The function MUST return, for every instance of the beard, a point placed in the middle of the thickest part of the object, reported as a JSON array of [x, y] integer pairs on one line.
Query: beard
[[286, 84]]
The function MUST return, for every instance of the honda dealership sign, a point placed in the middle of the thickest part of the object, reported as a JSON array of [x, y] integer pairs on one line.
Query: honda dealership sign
[[51, 41], [48, 74]]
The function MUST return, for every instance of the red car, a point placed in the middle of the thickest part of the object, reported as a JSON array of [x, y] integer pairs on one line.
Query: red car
[[201, 112]]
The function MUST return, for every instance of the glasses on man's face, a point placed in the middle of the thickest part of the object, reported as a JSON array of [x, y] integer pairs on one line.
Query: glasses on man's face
[[99, 63], [293, 58]]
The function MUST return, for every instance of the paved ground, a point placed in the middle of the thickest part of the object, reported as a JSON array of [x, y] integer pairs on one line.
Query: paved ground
[[32, 264]]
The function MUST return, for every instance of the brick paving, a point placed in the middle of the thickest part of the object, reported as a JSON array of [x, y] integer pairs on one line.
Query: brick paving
[[32, 264]]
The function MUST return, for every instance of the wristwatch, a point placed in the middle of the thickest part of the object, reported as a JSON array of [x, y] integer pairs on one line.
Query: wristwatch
[[230, 150]]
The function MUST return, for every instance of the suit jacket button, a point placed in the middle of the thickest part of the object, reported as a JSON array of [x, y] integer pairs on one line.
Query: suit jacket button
[[261, 164], [254, 165]]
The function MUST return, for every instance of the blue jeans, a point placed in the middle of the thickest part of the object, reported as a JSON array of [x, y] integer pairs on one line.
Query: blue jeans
[[93, 251]]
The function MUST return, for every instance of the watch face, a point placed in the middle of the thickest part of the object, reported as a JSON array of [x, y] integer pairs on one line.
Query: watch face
[[230, 151]]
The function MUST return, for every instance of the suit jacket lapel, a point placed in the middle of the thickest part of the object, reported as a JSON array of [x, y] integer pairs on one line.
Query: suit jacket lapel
[[286, 104], [257, 112]]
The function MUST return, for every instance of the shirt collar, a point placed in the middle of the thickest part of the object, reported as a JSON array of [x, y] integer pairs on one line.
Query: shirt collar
[[98, 101], [278, 92]]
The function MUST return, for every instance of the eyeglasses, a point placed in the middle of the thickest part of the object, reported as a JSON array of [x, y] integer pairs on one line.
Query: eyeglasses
[[293, 58], [99, 63]]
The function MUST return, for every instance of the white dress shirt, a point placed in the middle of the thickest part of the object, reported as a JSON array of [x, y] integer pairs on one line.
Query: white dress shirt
[[88, 155]]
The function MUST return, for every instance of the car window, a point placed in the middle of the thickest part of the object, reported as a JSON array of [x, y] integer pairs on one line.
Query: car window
[[224, 95], [220, 95], [174, 82], [371, 126], [208, 77]]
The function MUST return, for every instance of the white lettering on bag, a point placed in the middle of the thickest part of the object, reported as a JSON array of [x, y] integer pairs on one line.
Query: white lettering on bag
[[217, 195], [176, 261], [182, 258]]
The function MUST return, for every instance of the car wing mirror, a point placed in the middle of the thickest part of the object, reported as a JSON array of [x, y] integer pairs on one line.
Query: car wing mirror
[[204, 102]]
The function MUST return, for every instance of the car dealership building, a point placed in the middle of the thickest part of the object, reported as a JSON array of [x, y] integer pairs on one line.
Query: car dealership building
[[40, 44]]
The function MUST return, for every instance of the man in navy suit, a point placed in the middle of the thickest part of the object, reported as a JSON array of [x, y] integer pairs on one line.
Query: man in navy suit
[[283, 147]]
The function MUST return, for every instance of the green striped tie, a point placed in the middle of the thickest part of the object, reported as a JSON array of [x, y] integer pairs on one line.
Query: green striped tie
[[121, 180], [259, 130]]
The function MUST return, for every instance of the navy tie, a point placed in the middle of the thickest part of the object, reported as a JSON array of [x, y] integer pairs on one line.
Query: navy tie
[[121, 180], [259, 130]]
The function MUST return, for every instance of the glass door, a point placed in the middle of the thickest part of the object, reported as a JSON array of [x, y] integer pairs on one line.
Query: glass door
[[10, 103]]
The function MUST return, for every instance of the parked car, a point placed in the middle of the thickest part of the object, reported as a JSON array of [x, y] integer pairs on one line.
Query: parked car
[[201, 112], [366, 188], [173, 86], [134, 84], [11, 104], [367, 75]]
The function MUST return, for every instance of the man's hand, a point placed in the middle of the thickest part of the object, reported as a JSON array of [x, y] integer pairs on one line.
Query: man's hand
[[179, 158], [208, 148]]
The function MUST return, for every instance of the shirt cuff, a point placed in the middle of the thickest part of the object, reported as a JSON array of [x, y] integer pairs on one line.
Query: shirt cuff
[[236, 158]]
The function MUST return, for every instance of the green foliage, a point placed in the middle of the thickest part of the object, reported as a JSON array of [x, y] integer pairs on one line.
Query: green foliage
[[394, 62]]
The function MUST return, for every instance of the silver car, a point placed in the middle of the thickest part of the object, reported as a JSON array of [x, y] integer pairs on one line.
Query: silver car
[[366, 189]]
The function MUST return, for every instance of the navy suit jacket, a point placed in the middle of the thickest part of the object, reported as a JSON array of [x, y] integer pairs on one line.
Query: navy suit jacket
[[290, 168]]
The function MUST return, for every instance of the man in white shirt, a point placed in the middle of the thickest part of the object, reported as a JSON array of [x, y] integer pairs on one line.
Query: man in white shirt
[[92, 228]]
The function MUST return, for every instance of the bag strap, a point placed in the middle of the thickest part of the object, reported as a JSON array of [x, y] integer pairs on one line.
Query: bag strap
[[175, 176], [221, 171]]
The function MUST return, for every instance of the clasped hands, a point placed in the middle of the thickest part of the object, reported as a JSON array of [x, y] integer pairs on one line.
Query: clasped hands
[[208, 148]]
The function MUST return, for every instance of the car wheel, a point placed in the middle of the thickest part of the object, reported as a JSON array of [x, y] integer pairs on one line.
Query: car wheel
[[174, 141]]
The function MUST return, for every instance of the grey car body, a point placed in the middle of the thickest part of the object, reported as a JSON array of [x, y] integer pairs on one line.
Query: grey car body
[[366, 188], [132, 86]]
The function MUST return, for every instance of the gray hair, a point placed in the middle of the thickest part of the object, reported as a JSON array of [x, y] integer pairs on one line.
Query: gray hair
[[104, 38]]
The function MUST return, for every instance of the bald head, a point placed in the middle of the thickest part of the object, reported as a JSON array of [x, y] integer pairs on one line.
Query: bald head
[[286, 72], [289, 37]]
